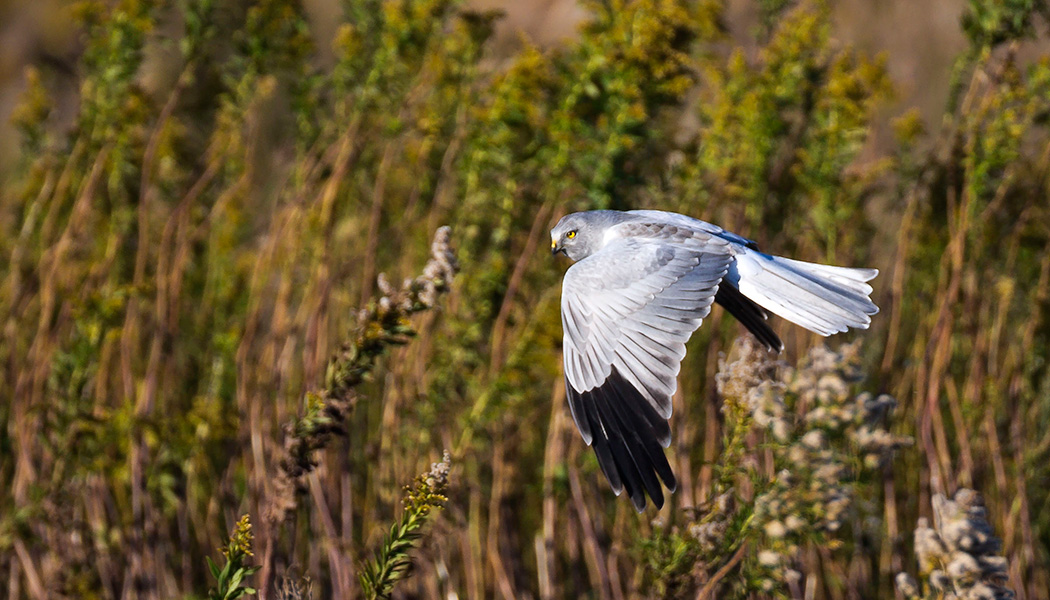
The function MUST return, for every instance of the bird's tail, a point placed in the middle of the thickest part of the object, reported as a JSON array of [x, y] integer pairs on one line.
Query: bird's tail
[[821, 298]]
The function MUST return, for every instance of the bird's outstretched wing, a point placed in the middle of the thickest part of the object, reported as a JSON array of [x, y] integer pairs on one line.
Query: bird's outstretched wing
[[627, 312]]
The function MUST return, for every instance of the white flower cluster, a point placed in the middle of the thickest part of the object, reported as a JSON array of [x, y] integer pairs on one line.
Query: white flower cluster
[[816, 426], [959, 557], [437, 479], [751, 381], [422, 292], [822, 386], [440, 269], [818, 484], [711, 529]]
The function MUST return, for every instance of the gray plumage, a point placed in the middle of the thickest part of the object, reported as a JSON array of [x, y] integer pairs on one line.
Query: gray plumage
[[642, 283]]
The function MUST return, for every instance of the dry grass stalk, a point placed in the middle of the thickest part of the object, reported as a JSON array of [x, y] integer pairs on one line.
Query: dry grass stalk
[[382, 324]]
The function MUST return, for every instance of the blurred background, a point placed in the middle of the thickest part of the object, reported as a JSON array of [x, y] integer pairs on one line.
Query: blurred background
[[237, 350], [919, 40]]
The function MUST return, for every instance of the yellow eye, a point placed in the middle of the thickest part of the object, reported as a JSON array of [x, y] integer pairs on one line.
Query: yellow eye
[[570, 235]]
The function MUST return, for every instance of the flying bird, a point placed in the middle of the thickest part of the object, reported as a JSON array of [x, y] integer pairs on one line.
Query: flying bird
[[641, 283]]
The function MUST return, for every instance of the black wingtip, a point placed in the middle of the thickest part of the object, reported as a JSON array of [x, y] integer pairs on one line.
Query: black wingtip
[[639, 503], [672, 485], [627, 437], [750, 315]]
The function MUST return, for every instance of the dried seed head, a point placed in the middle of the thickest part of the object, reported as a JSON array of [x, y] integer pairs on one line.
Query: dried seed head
[[775, 529], [814, 440], [907, 586], [960, 553], [768, 558]]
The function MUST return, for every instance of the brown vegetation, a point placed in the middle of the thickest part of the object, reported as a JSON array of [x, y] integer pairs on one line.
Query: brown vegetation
[[193, 327]]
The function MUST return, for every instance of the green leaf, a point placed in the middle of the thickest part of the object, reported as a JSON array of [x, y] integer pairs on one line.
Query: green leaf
[[212, 567]]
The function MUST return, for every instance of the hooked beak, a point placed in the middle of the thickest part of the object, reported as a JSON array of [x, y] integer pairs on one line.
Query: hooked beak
[[554, 247]]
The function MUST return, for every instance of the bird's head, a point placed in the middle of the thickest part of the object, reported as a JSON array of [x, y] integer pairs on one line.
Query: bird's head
[[576, 236]]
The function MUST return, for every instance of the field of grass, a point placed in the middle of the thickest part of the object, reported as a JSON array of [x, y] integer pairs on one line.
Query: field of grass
[[281, 319]]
